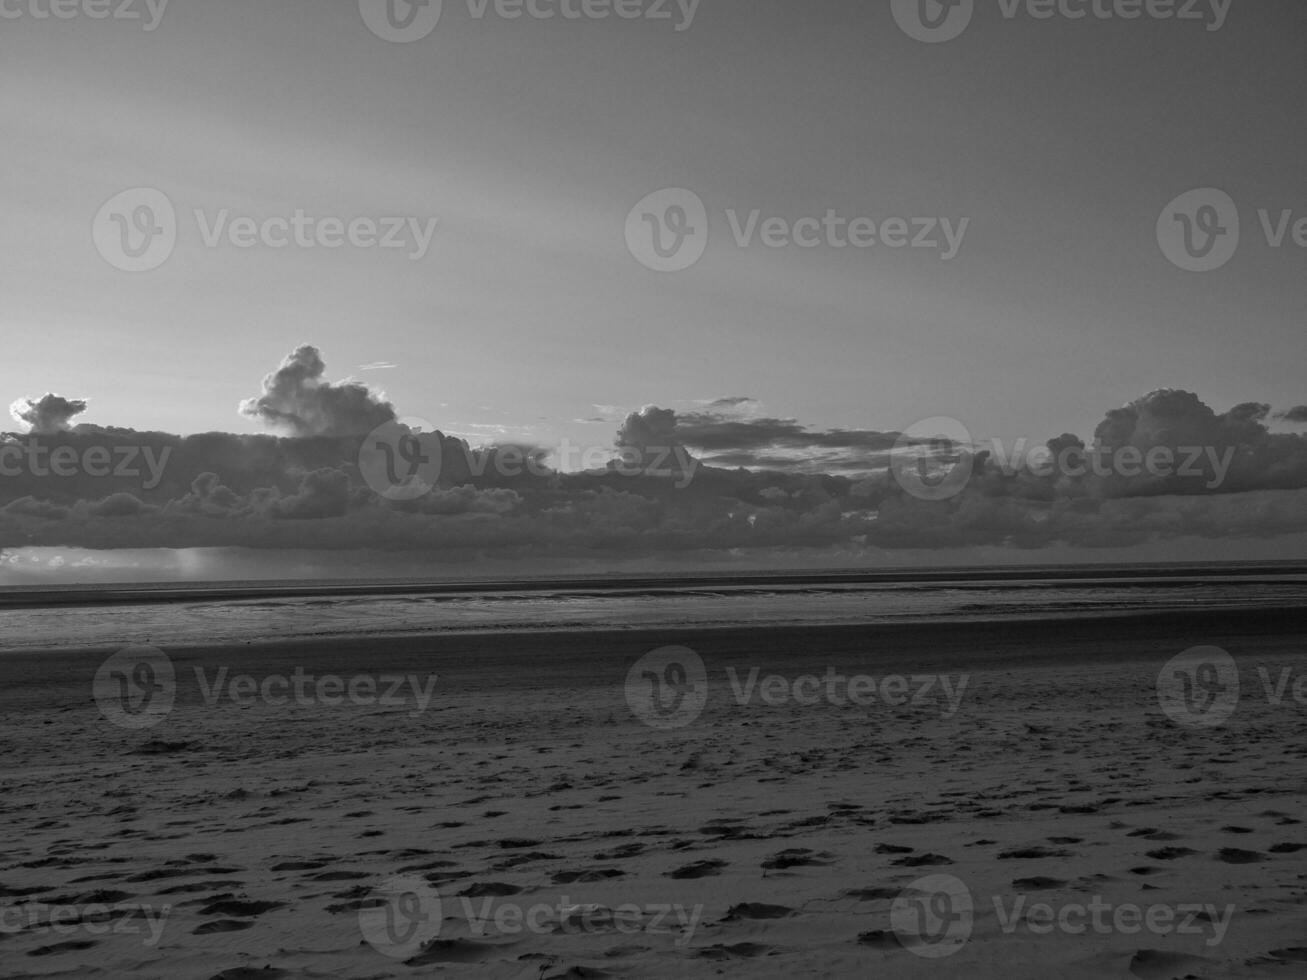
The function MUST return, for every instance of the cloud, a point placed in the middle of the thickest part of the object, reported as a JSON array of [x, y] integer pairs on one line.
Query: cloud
[[296, 400], [723, 437], [650, 427], [756, 484], [48, 414], [1180, 422], [1296, 415], [714, 432]]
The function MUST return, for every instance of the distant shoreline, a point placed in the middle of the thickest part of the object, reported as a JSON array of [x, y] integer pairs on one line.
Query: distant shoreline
[[1031, 638], [33, 597]]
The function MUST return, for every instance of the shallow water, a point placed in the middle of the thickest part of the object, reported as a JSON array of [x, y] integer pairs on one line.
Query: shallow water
[[264, 618]]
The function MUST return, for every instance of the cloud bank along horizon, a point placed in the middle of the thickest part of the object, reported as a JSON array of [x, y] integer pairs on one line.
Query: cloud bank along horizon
[[723, 477]]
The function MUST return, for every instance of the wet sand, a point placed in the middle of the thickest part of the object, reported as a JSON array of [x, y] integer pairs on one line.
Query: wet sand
[[543, 829]]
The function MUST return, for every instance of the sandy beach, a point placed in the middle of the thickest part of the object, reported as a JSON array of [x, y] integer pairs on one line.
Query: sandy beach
[[1018, 805]]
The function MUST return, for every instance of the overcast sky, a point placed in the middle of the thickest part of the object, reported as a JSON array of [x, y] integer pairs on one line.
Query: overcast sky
[[1064, 182], [530, 140]]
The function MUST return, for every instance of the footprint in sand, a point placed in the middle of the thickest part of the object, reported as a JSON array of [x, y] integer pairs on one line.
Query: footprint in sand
[[1234, 855], [221, 925], [72, 946], [490, 889], [456, 951], [1039, 883], [159, 874], [586, 877], [746, 951], [922, 861], [200, 886], [699, 869], [873, 894], [880, 939], [239, 908], [517, 860], [1033, 853], [798, 857], [756, 910], [1152, 964], [339, 876]]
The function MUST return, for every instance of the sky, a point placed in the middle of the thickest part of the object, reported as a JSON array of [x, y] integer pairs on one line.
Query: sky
[[1054, 143]]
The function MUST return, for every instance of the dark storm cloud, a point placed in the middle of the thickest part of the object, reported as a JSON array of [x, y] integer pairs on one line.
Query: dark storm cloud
[[752, 483], [48, 414]]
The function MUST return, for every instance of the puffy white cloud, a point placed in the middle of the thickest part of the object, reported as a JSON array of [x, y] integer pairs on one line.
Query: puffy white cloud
[[297, 400]]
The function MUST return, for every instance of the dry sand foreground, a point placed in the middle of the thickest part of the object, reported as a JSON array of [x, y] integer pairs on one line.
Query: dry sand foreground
[[759, 841]]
